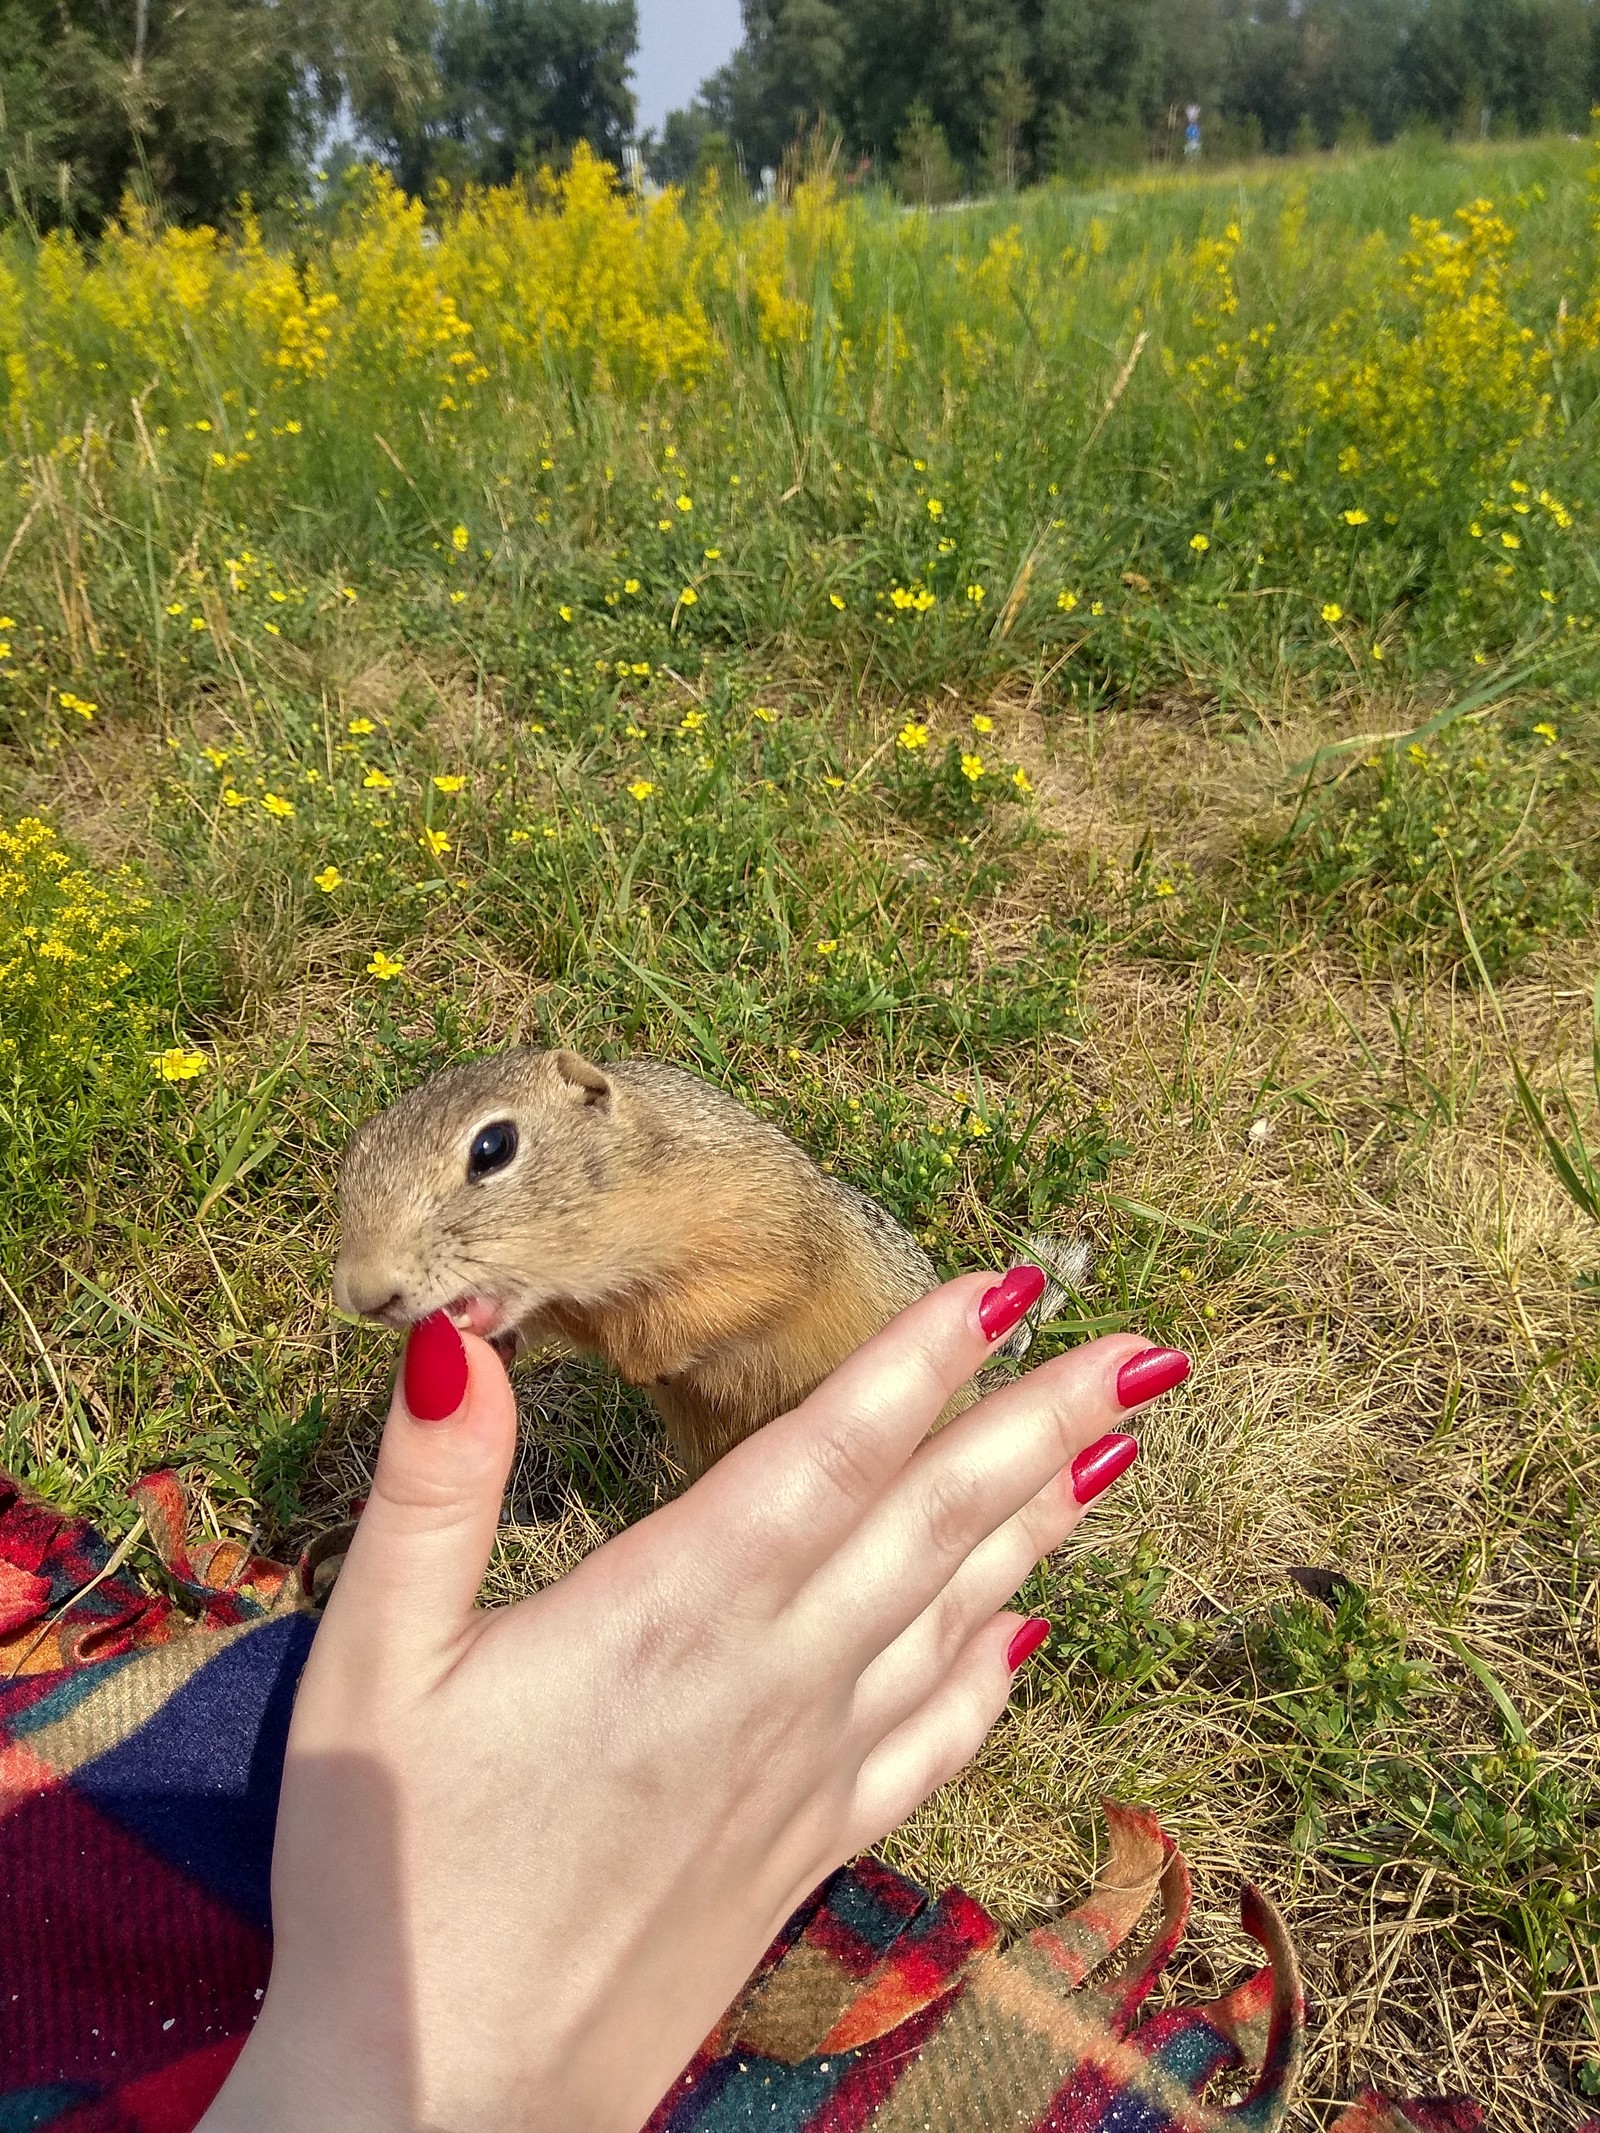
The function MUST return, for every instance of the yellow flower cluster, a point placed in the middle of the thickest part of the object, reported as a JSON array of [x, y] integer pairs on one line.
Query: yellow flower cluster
[[63, 942], [1448, 380]]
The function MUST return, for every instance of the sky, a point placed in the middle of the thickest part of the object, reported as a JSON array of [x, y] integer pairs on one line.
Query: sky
[[680, 43]]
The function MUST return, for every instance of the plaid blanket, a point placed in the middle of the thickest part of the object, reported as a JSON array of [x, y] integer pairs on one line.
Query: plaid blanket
[[141, 1745]]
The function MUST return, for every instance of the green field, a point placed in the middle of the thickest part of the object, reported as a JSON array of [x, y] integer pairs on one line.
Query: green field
[[1083, 707]]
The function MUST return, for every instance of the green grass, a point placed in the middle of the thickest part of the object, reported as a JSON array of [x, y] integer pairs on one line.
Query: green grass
[[1235, 981]]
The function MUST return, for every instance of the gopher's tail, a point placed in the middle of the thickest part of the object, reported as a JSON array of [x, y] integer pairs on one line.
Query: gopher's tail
[[1066, 1262]]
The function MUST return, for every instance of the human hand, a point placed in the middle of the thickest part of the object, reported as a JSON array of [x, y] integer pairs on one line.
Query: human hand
[[526, 1857]]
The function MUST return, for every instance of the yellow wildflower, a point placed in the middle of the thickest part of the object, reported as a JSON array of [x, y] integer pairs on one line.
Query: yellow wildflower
[[197, 622], [1165, 888], [767, 718], [935, 508], [982, 723], [684, 503], [216, 757], [565, 613], [972, 768], [435, 842], [912, 736], [377, 780], [361, 727], [688, 596], [1546, 733], [1066, 601], [827, 947], [836, 600], [713, 555], [178, 1064], [1332, 611], [1199, 542], [231, 798], [1510, 540], [1021, 780], [976, 594], [630, 585], [459, 539], [691, 722], [328, 880], [384, 967], [641, 789], [450, 784], [276, 804], [1358, 517]]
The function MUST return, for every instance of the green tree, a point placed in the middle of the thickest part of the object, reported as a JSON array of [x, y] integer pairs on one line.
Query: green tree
[[519, 83], [924, 169], [190, 101]]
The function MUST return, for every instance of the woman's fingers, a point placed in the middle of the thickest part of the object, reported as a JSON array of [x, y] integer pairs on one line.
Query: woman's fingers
[[946, 1732], [423, 1543], [900, 1679], [801, 1485], [970, 1480]]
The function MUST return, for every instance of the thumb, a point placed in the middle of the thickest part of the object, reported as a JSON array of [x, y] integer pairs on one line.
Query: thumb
[[423, 1543]]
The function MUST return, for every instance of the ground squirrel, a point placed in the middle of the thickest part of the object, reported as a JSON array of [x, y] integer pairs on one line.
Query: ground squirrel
[[632, 1211]]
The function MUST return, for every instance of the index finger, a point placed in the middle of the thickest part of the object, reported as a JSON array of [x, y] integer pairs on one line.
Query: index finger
[[810, 1477]]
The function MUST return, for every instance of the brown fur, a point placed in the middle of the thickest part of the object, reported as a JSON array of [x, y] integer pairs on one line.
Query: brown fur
[[647, 1218]]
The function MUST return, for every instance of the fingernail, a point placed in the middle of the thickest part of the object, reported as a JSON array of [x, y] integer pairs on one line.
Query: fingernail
[[1026, 1641], [1153, 1370], [1096, 1467], [1010, 1300], [435, 1369]]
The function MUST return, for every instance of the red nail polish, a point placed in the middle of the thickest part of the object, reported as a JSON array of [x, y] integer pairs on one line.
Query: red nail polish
[[1009, 1300], [435, 1369], [1099, 1464], [1153, 1370], [1026, 1641]]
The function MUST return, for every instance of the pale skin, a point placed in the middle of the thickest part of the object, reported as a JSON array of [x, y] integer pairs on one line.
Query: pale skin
[[526, 1857]]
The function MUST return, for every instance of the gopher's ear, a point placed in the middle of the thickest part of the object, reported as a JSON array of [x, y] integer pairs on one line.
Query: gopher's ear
[[583, 1077]]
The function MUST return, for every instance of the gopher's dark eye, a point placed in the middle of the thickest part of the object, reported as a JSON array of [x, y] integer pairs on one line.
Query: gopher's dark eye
[[492, 1149]]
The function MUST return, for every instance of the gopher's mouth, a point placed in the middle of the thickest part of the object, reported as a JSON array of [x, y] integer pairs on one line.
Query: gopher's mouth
[[486, 1317]]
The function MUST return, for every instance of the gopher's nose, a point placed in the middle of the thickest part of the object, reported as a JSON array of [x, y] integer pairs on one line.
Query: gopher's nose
[[368, 1291]]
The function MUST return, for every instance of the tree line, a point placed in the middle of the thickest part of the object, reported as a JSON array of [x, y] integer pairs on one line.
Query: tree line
[[944, 94], [196, 103]]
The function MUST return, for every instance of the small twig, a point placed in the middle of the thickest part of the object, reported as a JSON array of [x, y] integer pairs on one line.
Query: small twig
[[28, 518], [38, 1342]]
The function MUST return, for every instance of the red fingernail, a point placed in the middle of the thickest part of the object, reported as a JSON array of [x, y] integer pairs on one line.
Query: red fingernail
[[1096, 1467], [1010, 1300], [435, 1369], [1026, 1641], [1153, 1370]]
